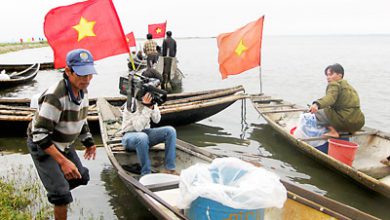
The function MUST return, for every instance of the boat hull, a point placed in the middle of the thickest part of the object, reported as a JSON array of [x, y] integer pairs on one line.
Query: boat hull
[[374, 145], [180, 109], [160, 199], [18, 78]]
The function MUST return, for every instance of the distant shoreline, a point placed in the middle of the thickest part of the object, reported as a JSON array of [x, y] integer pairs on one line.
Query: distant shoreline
[[12, 47]]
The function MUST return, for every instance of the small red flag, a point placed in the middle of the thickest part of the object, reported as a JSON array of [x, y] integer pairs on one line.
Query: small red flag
[[240, 50], [93, 25], [130, 39], [157, 30]]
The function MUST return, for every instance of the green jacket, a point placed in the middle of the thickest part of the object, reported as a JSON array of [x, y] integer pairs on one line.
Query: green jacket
[[342, 106]]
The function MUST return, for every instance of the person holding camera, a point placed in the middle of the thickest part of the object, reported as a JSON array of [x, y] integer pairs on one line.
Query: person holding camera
[[139, 136]]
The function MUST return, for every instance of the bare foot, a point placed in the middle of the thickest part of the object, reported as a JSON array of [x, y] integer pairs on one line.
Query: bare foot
[[386, 162], [332, 135], [170, 172]]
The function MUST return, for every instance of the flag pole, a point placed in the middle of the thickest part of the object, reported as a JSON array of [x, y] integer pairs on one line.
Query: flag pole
[[261, 82], [131, 59], [261, 41]]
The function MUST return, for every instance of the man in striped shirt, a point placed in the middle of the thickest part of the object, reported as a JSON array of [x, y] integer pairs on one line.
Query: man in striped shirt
[[60, 119]]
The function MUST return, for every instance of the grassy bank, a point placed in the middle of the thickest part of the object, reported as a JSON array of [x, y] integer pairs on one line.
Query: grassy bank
[[23, 198], [11, 47]]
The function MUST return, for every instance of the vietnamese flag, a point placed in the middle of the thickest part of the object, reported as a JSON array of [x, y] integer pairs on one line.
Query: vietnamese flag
[[93, 25], [130, 39], [157, 30], [240, 50]]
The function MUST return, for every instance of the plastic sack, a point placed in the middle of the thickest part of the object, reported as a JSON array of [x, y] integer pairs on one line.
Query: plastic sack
[[307, 127], [4, 76], [232, 182]]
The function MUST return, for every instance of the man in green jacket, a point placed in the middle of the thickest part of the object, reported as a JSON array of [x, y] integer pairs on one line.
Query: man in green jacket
[[339, 109]]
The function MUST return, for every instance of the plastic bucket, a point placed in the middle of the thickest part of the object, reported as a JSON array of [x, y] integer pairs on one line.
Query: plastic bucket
[[342, 150], [205, 209]]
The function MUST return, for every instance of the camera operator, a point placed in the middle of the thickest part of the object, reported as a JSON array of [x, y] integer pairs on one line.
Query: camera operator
[[138, 136]]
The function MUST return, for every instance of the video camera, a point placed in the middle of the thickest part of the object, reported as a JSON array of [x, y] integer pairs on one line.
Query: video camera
[[136, 86]]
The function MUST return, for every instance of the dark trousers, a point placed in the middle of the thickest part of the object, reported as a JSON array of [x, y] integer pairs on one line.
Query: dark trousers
[[151, 59], [49, 171]]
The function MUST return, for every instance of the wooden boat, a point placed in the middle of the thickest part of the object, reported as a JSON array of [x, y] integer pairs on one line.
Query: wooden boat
[[17, 78], [180, 109], [366, 168], [21, 67], [160, 198]]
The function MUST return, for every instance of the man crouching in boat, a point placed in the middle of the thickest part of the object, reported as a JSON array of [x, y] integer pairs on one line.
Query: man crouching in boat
[[60, 119], [339, 109], [138, 136]]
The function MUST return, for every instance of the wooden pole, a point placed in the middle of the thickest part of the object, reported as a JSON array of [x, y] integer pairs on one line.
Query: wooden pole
[[131, 59], [261, 82]]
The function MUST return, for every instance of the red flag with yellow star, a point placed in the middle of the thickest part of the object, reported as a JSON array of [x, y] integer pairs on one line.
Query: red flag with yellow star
[[93, 25], [240, 50], [130, 39], [157, 30]]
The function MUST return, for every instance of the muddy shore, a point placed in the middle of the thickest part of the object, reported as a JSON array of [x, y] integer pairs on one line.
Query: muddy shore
[[12, 47]]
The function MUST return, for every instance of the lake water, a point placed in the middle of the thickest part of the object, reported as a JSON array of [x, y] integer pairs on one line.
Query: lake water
[[292, 69]]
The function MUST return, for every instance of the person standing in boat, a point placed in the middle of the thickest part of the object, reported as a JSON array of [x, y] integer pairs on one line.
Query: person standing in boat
[[150, 50], [339, 110], [60, 120], [169, 47], [138, 136], [169, 53]]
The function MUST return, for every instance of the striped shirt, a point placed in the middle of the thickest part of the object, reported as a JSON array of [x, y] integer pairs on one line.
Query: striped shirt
[[59, 120], [150, 47]]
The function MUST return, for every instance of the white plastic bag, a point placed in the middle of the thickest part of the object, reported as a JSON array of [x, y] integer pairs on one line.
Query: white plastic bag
[[307, 127], [232, 182]]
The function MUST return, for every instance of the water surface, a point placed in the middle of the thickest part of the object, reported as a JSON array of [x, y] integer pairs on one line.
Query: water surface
[[292, 69]]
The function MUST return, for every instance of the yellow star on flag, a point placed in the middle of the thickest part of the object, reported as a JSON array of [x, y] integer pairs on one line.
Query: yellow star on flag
[[241, 48], [85, 28], [158, 30]]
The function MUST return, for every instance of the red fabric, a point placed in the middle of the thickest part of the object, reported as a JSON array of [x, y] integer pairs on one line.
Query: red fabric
[[240, 50], [157, 30], [105, 38], [130, 39]]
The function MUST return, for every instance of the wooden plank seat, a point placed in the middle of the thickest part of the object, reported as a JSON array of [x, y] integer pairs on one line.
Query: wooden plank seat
[[119, 148]]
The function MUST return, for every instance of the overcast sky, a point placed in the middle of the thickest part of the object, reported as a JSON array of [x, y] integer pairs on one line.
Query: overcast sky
[[205, 18]]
